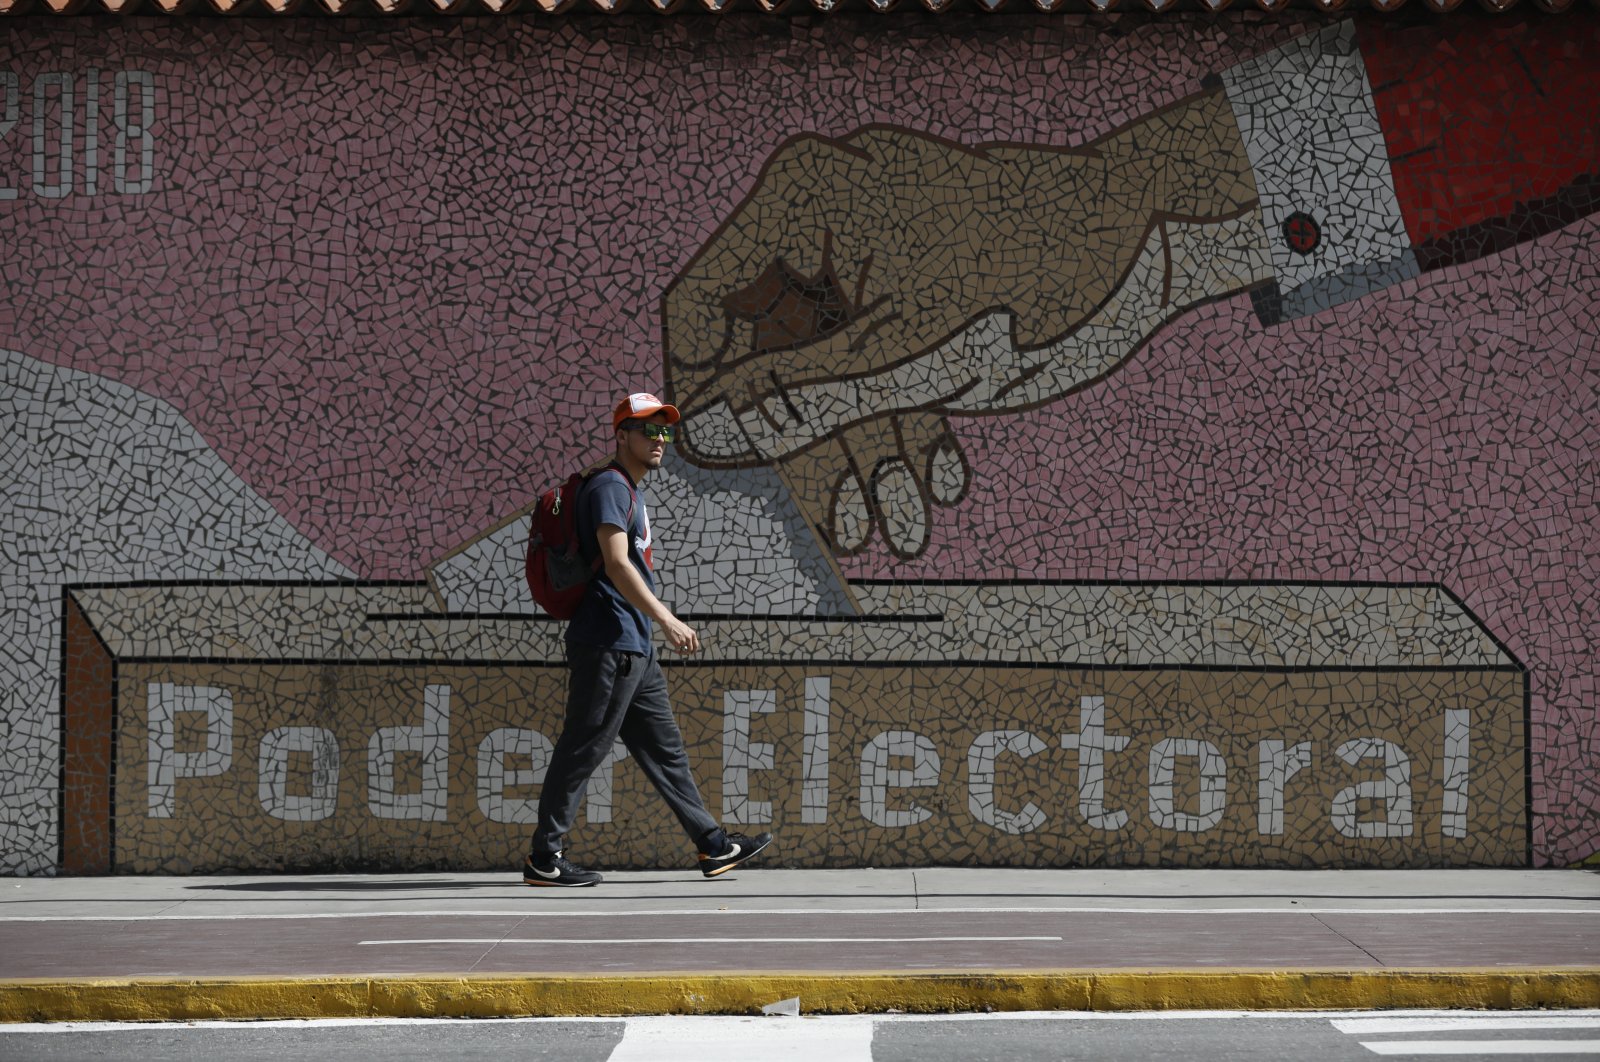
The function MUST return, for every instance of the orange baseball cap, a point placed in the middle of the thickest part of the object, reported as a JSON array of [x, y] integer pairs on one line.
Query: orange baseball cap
[[641, 404]]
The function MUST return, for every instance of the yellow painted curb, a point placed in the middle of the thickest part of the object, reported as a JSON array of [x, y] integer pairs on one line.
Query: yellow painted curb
[[545, 995]]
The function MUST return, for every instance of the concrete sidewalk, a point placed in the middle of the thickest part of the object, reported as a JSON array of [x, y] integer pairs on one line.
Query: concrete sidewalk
[[931, 939]]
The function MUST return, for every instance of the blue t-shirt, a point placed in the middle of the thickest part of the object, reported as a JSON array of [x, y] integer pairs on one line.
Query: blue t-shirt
[[605, 618]]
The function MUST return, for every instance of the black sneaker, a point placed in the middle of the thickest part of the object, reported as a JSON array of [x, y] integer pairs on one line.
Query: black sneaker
[[557, 873], [740, 848]]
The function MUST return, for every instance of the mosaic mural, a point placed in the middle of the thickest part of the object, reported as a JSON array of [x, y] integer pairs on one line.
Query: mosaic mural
[[1109, 440], [945, 725]]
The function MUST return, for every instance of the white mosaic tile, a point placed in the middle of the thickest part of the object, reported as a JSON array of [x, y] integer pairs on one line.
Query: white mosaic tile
[[737, 545], [106, 484], [1312, 133]]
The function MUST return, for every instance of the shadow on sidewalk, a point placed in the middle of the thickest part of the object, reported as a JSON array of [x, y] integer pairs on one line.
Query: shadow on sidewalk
[[376, 885]]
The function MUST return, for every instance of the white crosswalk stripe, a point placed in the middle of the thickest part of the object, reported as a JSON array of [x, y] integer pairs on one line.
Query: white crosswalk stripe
[[1483, 1047], [743, 1039], [1454, 1023], [1469, 1029]]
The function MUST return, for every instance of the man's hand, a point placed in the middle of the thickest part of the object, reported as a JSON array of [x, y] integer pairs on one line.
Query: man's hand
[[680, 635], [626, 578], [870, 286]]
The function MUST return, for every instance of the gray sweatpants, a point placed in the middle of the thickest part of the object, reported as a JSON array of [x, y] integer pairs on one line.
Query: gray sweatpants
[[613, 695]]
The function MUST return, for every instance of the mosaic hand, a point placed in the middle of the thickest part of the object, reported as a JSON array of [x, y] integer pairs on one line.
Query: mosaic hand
[[870, 286]]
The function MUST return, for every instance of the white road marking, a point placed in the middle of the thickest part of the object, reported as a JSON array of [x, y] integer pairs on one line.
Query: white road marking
[[1454, 1023], [1483, 1047], [768, 912], [707, 940], [741, 1039]]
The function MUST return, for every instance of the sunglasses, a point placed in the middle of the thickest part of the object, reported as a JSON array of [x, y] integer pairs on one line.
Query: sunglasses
[[653, 432]]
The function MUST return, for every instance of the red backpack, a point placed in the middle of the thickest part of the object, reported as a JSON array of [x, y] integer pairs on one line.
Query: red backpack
[[557, 573]]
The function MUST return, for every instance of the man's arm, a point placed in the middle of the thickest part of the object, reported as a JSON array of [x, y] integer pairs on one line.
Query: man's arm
[[620, 570]]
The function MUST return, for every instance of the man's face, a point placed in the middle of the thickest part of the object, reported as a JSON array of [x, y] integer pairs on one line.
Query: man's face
[[638, 444]]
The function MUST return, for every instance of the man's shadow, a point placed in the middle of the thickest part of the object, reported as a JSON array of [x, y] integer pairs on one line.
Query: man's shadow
[[383, 884]]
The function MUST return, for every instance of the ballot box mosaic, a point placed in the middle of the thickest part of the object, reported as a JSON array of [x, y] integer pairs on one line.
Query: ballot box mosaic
[[1103, 728], [1107, 438]]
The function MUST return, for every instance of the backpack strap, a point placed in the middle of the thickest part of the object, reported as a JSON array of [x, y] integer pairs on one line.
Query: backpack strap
[[633, 501]]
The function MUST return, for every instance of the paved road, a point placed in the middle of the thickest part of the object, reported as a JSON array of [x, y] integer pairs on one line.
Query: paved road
[[800, 921], [1377, 934], [844, 941], [1189, 1037]]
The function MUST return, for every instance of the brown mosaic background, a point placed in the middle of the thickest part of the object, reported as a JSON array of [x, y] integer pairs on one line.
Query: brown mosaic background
[[219, 823]]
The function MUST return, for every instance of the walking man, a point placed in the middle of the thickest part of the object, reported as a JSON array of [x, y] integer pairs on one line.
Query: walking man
[[615, 685]]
